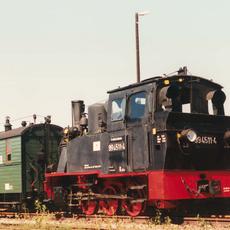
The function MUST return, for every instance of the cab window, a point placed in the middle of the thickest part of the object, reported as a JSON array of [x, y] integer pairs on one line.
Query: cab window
[[191, 98], [118, 109], [8, 150], [136, 106], [183, 98]]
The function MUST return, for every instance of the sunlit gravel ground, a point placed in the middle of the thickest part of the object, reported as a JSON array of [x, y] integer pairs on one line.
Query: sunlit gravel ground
[[46, 222]]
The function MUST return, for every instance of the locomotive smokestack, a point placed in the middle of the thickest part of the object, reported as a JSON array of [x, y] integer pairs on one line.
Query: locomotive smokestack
[[78, 107], [7, 125]]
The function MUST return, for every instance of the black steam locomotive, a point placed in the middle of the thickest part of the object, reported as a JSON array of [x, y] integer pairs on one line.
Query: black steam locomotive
[[161, 143]]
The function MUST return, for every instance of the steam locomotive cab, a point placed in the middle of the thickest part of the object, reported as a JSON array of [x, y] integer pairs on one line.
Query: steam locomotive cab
[[129, 126], [156, 143]]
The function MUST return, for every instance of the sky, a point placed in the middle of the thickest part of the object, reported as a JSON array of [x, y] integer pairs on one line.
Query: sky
[[55, 51]]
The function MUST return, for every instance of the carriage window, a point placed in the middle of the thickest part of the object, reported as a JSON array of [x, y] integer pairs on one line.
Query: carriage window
[[118, 109], [136, 109], [8, 150]]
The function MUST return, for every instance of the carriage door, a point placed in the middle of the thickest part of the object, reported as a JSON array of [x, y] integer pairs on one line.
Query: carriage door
[[137, 129]]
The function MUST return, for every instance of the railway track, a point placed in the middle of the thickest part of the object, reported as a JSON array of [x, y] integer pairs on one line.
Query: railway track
[[56, 217], [145, 219], [154, 219], [17, 215], [212, 219]]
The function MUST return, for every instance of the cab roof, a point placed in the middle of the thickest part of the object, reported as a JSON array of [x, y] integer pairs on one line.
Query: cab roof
[[159, 80]]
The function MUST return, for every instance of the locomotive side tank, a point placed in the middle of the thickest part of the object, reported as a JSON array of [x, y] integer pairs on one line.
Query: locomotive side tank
[[165, 144], [26, 153]]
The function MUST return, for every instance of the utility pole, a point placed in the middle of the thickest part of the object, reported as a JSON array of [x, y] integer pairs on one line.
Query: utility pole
[[137, 43]]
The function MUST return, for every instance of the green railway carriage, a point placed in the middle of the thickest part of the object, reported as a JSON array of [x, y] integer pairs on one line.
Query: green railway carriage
[[26, 153]]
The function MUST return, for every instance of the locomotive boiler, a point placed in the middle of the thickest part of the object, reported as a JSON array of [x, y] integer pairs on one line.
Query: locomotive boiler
[[163, 143]]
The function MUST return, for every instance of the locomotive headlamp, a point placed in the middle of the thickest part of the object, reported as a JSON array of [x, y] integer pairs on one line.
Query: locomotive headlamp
[[166, 82], [189, 134], [66, 130]]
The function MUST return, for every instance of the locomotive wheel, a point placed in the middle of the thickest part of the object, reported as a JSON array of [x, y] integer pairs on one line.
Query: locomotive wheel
[[131, 207], [109, 206], [89, 207]]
